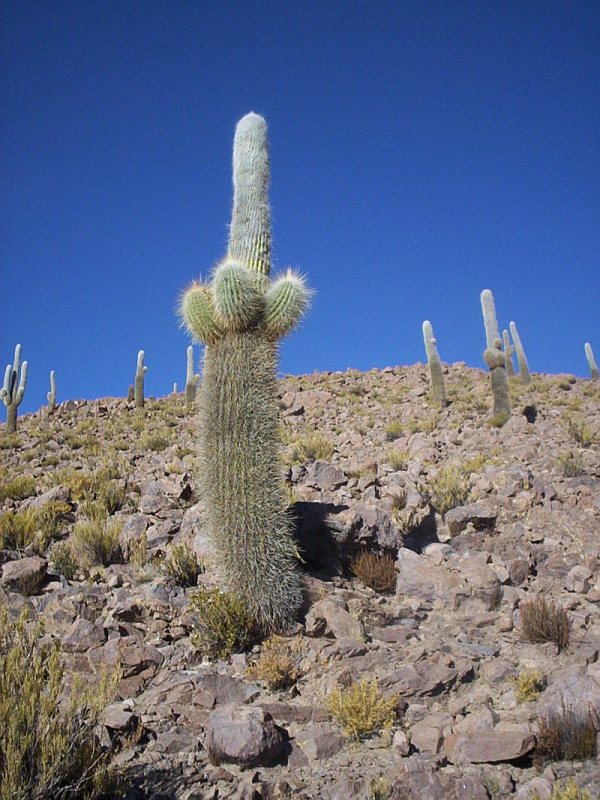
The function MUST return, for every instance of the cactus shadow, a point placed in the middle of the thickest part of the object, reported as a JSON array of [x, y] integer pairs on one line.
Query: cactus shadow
[[421, 535], [315, 537]]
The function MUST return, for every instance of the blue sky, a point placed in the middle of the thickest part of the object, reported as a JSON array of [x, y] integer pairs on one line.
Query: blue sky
[[421, 152]]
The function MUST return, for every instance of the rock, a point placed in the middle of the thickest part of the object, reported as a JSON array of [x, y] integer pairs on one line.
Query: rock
[[326, 618], [420, 679], [325, 476], [24, 575], [578, 580], [58, 494], [481, 517], [370, 527], [419, 577], [490, 747], [321, 740], [83, 635], [119, 717], [426, 737], [243, 735]]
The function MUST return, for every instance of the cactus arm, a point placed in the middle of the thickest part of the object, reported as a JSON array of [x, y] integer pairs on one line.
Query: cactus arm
[[489, 318], [521, 357], [238, 303], [495, 359], [191, 379], [51, 396], [6, 387], [22, 383], [286, 299], [13, 389], [509, 351], [589, 354], [197, 312]]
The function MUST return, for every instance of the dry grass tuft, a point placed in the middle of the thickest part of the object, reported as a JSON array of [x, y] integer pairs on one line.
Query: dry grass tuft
[[543, 621], [375, 570], [567, 733], [278, 665], [362, 709], [223, 625]]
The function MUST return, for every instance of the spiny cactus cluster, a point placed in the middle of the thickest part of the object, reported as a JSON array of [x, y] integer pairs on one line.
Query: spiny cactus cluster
[[239, 315], [495, 359], [436, 373], [13, 389]]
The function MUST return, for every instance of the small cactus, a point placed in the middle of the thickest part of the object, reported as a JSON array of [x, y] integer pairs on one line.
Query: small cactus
[[13, 389], [191, 379], [509, 352], [130, 394], [521, 357], [436, 373], [495, 359], [52, 394], [175, 388], [589, 354], [139, 380]]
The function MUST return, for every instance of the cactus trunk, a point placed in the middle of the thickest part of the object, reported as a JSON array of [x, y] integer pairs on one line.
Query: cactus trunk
[[495, 359], [521, 357], [589, 354], [436, 372], [509, 352]]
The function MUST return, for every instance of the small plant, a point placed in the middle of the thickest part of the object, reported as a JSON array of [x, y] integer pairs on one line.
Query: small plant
[[97, 541], [48, 745], [570, 464], [567, 733], [375, 570], [529, 684], [278, 665], [543, 621], [393, 430], [311, 447], [20, 529], [362, 709], [448, 489], [64, 560], [379, 789], [580, 431], [155, 440], [182, 566], [566, 791], [398, 459], [138, 552], [223, 624], [17, 489]]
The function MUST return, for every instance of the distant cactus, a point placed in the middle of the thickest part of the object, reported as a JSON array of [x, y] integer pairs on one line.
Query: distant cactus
[[13, 389], [130, 394], [139, 380], [436, 373], [239, 315], [52, 394], [494, 359], [589, 354], [175, 388], [521, 358], [191, 379], [509, 352]]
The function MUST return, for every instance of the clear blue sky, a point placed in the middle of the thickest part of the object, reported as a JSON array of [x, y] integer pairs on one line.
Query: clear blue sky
[[421, 152]]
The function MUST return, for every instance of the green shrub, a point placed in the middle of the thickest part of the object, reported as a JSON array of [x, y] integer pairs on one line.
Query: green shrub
[[222, 624], [398, 459], [566, 791], [17, 489], [64, 560], [48, 746], [570, 464], [362, 709], [543, 621], [529, 684], [155, 440], [20, 529], [182, 566], [580, 431], [311, 447]]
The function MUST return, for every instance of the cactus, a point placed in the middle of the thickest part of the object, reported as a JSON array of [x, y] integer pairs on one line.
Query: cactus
[[13, 389], [191, 379], [139, 380], [130, 394], [509, 352], [589, 354], [521, 358], [239, 315], [175, 388], [52, 393], [436, 373], [495, 359]]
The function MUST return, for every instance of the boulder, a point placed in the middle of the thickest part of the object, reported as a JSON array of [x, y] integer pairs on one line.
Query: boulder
[[243, 735]]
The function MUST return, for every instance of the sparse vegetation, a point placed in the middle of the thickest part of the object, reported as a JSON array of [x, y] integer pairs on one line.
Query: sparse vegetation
[[567, 733], [398, 459], [529, 684], [17, 489], [448, 489], [64, 560], [362, 709], [393, 430], [20, 530], [544, 621], [223, 624], [182, 565], [570, 464], [311, 447], [96, 541], [375, 570], [278, 664], [580, 431], [566, 791]]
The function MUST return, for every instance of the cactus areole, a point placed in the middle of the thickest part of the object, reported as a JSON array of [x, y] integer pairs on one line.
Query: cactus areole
[[239, 314]]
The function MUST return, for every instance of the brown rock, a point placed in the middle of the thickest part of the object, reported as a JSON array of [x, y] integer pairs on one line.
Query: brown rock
[[244, 735], [326, 618], [490, 747], [24, 575]]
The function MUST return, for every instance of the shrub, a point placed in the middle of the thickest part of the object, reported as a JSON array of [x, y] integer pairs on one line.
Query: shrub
[[64, 560], [182, 566], [278, 665], [362, 709], [138, 552], [567, 733], [17, 489], [567, 791], [398, 459], [529, 684], [570, 464], [580, 431], [543, 621], [448, 489], [19, 529], [375, 570], [155, 440], [379, 789], [223, 625], [311, 447], [97, 541], [48, 747], [393, 430]]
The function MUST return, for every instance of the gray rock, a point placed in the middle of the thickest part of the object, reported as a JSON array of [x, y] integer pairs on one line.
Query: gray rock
[[481, 517], [325, 476], [490, 747], [243, 735], [321, 740], [326, 618], [24, 575]]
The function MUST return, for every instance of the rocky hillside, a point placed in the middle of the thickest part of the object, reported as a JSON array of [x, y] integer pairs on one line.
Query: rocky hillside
[[450, 679]]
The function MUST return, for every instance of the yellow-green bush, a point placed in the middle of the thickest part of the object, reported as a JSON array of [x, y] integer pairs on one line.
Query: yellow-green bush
[[97, 541], [566, 791], [222, 623], [18, 488], [182, 565], [529, 684], [311, 447], [448, 489], [20, 529], [362, 709], [48, 747], [278, 665]]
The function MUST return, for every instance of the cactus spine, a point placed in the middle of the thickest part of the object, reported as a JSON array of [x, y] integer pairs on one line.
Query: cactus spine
[[13, 389], [494, 359], [589, 354], [521, 357], [436, 373], [140, 371], [52, 393], [239, 315], [509, 352], [191, 379]]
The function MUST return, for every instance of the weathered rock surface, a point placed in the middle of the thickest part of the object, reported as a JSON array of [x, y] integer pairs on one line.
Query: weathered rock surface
[[243, 735]]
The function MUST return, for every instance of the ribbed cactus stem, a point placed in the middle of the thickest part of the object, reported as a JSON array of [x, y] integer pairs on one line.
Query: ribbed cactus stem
[[436, 372], [495, 359], [130, 394], [521, 357], [589, 354], [489, 318], [191, 379], [238, 316], [509, 352], [175, 388], [139, 380], [13, 389], [52, 393]]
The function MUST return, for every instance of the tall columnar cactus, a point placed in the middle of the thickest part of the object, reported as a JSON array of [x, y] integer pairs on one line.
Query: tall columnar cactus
[[52, 393], [140, 371], [589, 354], [239, 315], [521, 357], [191, 379], [494, 359], [13, 389], [436, 373], [509, 352]]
